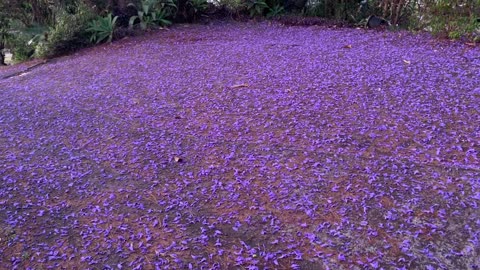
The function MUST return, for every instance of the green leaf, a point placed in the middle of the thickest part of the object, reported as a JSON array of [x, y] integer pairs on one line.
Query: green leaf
[[131, 22], [102, 28]]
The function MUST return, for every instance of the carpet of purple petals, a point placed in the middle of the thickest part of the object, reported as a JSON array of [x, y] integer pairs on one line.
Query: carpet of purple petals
[[244, 146]]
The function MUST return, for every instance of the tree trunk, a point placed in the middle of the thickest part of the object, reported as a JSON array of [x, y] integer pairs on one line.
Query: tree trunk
[[2, 58]]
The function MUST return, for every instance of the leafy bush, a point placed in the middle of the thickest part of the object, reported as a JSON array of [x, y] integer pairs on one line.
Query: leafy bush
[[22, 49], [355, 11], [19, 38], [69, 32], [450, 19], [257, 7], [232, 7], [6, 36], [161, 18], [347, 10], [149, 13], [102, 28], [169, 6], [197, 7], [275, 11], [454, 28], [314, 10]]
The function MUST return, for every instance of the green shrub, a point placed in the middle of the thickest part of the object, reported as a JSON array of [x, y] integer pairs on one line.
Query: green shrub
[[348, 10], [19, 38], [275, 11], [69, 32], [102, 28], [458, 27], [21, 49], [257, 7], [198, 7], [150, 13], [6, 36], [169, 7], [232, 7], [316, 9], [448, 19]]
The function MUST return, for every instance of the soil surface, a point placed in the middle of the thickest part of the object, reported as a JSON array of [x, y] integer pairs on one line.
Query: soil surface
[[244, 146]]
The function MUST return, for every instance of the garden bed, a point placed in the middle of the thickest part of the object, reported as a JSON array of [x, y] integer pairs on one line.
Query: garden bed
[[244, 145]]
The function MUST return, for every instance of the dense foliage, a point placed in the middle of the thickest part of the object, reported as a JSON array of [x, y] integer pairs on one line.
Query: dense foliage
[[51, 27], [102, 28], [68, 33], [452, 18]]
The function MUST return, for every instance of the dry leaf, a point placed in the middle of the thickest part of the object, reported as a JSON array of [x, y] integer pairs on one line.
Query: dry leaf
[[406, 62], [470, 44], [240, 85], [347, 46]]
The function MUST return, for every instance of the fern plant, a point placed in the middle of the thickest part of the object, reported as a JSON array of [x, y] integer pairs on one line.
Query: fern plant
[[102, 28]]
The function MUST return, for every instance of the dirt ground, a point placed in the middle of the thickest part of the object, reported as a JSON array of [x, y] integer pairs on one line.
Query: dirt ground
[[244, 146]]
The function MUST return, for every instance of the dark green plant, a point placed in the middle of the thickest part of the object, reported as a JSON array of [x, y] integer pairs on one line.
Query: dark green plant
[[275, 11], [17, 10], [151, 12], [198, 6], [68, 33], [346, 10], [257, 7], [144, 20], [161, 18], [22, 50], [455, 28], [39, 34], [19, 38], [31, 12], [169, 6], [452, 19], [6, 36], [232, 7], [102, 28], [313, 10], [26, 40]]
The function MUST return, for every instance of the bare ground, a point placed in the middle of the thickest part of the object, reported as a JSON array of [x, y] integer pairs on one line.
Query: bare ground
[[244, 146]]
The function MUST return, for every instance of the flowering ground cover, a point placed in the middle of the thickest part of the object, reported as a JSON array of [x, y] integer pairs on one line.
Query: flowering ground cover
[[244, 146]]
